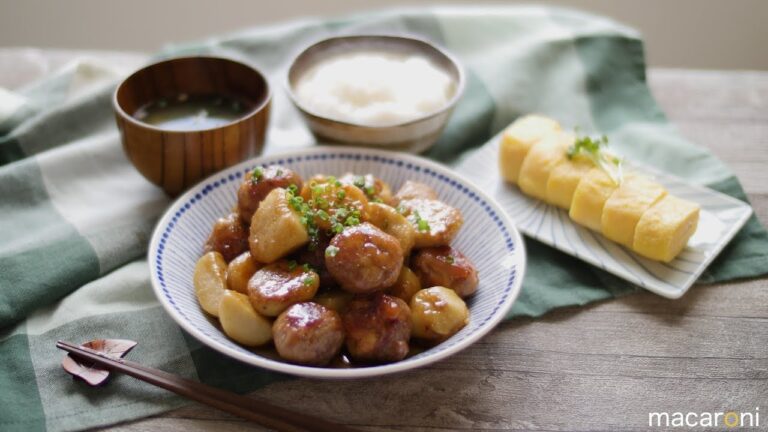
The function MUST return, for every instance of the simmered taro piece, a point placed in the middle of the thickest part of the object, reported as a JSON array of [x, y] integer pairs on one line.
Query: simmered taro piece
[[378, 328], [387, 219], [277, 228], [229, 237], [435, 222], [406, 286], [376, 189], [332, 203], [258, 184], [445, 266], [239, 272], [438, 313], [364, 259], [415, 190], [308, 333], [275, 287]]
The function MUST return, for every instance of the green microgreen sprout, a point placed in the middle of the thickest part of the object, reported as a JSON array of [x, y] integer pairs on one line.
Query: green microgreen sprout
[[596, 151]]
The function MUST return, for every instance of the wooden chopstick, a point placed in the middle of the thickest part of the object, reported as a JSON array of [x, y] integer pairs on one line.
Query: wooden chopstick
[[263, 413]]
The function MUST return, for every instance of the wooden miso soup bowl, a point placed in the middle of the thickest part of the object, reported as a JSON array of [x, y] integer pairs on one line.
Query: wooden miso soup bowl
[[177, 159]]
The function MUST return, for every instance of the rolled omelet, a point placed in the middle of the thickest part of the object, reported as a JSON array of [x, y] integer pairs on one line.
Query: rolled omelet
[[626, 206], [638, 213], [518, 139], [563, 181], [543, 157], [665, 228], [590, 197]]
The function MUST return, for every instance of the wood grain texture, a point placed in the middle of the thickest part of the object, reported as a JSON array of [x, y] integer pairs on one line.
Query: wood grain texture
[[597, 368]]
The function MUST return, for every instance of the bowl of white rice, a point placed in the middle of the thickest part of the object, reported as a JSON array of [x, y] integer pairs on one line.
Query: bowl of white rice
[[390, 92]]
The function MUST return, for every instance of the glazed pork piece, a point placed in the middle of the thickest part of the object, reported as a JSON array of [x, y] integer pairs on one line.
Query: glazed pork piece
[[446, 267], [378, 328], [365, 259], [308, 333], [256, 186], [229, 237], [314, 255]]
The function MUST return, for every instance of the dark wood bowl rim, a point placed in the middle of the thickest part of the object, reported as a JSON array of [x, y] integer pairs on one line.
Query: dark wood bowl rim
[[253, 112]]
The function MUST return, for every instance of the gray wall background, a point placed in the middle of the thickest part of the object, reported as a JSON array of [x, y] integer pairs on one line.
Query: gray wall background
[[713, 34]]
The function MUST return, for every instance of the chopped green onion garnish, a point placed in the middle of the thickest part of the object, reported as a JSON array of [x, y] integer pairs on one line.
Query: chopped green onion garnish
[[318, 189], [292, 265], [331, 251], [309, 280], [423, 225], [256, 174]]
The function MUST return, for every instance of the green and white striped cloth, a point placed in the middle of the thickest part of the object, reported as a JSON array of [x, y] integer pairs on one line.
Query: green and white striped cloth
[[75, 217]]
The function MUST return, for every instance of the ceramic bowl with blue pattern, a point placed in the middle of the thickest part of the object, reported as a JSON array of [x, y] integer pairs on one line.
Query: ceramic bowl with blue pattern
[[488, 238]]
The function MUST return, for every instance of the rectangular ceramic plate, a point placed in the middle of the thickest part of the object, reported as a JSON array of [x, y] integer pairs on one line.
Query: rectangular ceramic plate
[[721, 218]]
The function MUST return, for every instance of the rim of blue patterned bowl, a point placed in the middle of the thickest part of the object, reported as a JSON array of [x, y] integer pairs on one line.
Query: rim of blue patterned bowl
[[515, 261]]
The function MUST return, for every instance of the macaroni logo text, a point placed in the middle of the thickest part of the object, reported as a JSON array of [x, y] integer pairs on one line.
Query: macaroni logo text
[[727, 419]]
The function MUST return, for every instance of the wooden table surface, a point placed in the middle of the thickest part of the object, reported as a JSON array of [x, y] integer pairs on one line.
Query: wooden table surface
[[603, 367]]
